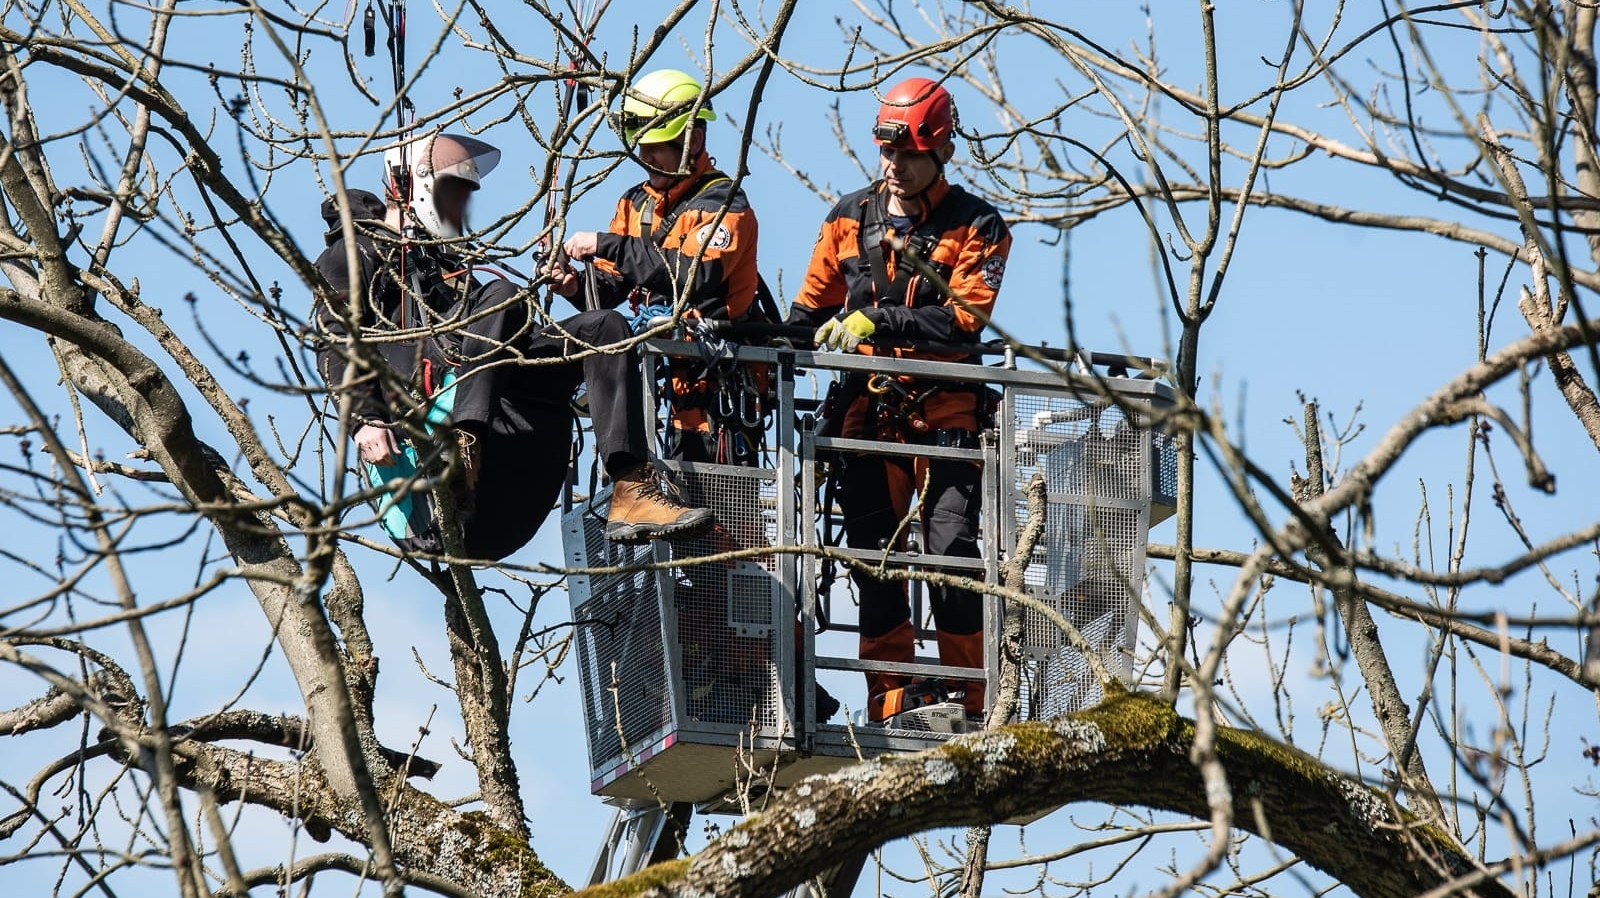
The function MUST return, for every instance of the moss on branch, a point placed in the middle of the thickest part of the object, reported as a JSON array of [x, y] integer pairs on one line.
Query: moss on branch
[[1131, 749]]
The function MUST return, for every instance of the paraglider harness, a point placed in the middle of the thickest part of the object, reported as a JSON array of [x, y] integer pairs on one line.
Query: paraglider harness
[[430, 295], [736, 399], [427, 300]]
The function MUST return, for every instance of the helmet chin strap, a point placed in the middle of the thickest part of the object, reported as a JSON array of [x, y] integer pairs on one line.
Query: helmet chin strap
[[692, 163]]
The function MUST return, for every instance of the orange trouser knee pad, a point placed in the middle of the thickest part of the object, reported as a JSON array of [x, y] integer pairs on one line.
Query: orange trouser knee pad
[[895, 645], [965, 650]]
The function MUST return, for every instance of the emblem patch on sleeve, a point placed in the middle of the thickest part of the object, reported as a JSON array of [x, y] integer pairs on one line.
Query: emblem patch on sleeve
[[993, 270], [720, 240]]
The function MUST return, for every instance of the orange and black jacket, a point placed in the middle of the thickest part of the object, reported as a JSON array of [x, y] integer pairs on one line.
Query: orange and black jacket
[[961, 237], [660, 242], [656, 239]]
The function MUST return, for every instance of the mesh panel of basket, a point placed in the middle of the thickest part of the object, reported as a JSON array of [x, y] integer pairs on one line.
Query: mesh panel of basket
[[1087, 563], [725, 611], [622, 662]]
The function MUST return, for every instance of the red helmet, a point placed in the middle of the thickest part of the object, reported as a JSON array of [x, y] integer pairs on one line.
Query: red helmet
[[916, 113]]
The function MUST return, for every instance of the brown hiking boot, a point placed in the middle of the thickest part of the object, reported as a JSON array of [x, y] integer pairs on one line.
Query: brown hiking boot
[[641, 511], [468, 455]]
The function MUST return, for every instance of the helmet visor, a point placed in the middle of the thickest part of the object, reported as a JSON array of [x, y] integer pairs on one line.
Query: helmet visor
[[467, 158]]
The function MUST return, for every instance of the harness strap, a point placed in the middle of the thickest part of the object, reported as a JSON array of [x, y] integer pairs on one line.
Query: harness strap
[[658, 235], [874, 233], [765, 304]]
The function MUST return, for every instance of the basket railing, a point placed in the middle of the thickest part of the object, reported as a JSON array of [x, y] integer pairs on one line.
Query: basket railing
[[1096, 440]]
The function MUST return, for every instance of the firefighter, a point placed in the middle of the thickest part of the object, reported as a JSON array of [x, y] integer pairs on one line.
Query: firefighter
[[862, 284], [685, 233], [509, 424]]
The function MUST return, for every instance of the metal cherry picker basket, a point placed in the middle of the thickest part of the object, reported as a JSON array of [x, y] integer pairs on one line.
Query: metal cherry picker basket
[[698, 676]]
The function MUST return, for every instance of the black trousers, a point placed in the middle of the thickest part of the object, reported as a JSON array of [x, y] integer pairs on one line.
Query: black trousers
[[875, 494], [490, 371], [523, 413]]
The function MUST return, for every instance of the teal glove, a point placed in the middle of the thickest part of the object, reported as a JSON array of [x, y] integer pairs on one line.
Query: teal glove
[[846, 334]]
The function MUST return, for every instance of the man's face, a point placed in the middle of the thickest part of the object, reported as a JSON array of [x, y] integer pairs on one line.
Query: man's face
[[906, 172], [663, 160], [450, 196]]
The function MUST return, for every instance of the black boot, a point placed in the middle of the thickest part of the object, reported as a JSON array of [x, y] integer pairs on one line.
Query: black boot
[[824, 702]]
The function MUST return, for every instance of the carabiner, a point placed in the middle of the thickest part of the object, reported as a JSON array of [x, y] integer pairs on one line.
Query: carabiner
[[884, 384], [727, 407], [750, 414]]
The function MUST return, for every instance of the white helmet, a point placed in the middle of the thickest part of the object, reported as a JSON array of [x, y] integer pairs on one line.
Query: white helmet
[[433, 157]]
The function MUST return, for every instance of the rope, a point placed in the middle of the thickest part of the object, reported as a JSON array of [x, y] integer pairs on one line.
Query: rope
[[640, 322]]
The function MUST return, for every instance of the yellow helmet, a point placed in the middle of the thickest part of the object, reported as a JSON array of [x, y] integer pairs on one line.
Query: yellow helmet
[[644, 117]]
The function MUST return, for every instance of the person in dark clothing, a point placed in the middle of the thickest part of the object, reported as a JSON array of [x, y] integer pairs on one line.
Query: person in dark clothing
[[441, 345], [859, 285]]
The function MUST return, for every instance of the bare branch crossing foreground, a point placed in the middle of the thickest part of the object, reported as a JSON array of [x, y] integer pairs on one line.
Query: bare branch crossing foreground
[[1367, 235]]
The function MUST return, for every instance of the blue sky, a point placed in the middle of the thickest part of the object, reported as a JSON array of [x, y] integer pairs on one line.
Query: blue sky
[[1354, 318]]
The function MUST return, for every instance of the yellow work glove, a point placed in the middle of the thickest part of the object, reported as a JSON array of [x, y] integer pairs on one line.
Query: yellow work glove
[[844, 335]]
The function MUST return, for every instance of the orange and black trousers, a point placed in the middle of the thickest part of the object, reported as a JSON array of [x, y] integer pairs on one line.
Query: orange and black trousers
[[875, 495]]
